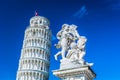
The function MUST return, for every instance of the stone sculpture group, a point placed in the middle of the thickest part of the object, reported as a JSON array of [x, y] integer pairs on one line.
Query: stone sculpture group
[[71, 43]]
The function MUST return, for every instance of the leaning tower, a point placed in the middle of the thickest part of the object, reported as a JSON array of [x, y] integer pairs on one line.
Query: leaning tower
[[35, 53]]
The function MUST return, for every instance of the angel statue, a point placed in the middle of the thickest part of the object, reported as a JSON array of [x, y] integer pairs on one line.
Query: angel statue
[[66, 36], [77, 51]]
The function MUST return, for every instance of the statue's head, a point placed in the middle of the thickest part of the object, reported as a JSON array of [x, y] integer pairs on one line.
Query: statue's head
[[82, 39], [73, 45], [74, 27], [65, 26]]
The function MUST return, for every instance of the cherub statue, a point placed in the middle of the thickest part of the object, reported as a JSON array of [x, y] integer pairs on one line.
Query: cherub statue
[[81, 46], [63, 41], [77, 51], [66, 36], [73, 52]]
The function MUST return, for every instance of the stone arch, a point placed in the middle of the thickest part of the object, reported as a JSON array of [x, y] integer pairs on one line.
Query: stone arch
[[42, 65], [37, 32]]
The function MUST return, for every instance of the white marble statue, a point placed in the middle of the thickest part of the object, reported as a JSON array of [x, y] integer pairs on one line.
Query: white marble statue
[[81, 46], [77, 51], [73, 52], [62, 37], [66, 36], [72, 47]]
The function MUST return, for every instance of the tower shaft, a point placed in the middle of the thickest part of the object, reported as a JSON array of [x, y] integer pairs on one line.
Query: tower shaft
[[35, 54]]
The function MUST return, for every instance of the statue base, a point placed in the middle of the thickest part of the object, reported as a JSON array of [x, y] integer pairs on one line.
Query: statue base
[[77, 73], [74, 70], [67, 63]]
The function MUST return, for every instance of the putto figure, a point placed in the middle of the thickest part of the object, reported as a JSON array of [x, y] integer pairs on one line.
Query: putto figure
[[66, 36], [77, 50]]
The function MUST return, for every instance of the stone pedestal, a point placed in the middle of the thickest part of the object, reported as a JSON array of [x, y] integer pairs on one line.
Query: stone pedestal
[[77, 73], [74, 70], [67, 63]]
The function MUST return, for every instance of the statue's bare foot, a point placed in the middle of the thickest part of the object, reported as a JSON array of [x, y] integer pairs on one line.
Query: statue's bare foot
[[55, 57]]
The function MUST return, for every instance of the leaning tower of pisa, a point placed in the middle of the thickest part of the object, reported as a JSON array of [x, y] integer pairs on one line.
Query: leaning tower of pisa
[[35, 53]]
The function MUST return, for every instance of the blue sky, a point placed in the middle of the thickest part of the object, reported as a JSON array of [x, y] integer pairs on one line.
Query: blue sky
[[98, 20]]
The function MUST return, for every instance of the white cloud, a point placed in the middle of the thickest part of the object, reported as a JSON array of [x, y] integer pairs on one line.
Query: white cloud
[[81, 12]]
